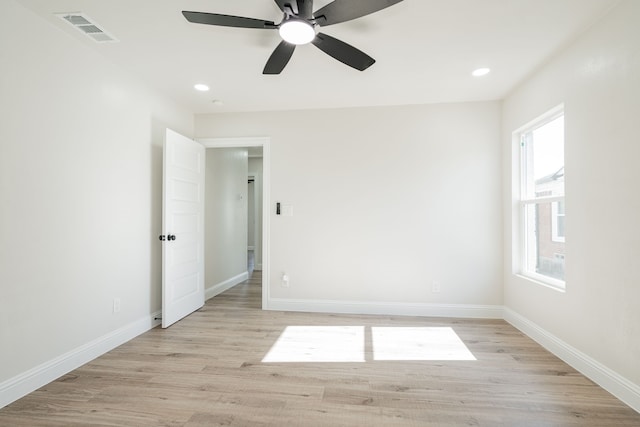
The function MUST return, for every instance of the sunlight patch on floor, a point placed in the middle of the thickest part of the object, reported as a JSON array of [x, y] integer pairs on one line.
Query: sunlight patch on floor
[[318, 344], [418, 343], [299, 344]]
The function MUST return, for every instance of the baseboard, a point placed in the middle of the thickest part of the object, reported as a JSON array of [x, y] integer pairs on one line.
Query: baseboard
[[611, 381], [31, 380], [382, 308], [223, 286]]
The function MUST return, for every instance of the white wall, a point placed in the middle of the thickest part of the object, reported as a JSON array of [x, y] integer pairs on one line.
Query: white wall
[[256, 169], [225, 214], [80, 193], [598, 79], [386, 200]]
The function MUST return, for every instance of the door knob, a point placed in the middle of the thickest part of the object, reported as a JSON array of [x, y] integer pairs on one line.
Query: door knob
[[171, 237]]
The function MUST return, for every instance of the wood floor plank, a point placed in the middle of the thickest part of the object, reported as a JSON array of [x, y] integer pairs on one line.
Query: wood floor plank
[[211, 369]]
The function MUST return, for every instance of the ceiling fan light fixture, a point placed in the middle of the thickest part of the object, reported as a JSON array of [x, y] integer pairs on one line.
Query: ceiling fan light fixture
[[297, 31]]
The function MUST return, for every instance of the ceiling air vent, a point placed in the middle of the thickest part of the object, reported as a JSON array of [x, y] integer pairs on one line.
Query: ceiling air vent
[[87, 26]]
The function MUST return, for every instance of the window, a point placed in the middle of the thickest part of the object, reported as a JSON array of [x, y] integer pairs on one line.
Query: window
[[542, 204]]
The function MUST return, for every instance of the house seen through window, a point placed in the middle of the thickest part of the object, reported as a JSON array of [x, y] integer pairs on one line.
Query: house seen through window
[[542, 200]]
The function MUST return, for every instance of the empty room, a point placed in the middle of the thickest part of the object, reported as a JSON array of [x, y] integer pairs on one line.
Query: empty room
[[319, 213]]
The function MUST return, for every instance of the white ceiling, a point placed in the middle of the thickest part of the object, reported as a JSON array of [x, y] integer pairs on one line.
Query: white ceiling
[[425, 50]]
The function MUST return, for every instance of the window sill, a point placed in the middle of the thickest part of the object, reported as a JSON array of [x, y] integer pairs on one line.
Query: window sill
[[556, 285]]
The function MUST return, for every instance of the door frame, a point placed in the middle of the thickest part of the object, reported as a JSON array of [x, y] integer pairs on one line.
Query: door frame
[[256, 182], [265, 143]]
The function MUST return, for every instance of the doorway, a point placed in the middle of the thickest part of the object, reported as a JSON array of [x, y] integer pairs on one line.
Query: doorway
[[260, 177]]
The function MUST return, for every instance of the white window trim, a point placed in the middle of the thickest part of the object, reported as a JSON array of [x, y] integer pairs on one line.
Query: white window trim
[[520, 239], [539, 279], [554, 222], [543, 199]]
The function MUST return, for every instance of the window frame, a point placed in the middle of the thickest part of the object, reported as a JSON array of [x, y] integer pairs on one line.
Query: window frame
[[524, 199], [555, 217]]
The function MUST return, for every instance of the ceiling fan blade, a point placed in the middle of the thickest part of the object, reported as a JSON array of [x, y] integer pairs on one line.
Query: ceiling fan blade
[[288, 6], [343, 52], [227, 20], [346, 10], [279, 58]]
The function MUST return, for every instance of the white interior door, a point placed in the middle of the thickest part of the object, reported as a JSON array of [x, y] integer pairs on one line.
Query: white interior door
[[182, 227]]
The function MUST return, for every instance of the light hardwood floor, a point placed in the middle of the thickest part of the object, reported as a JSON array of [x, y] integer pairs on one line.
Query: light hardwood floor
[[208, 370]]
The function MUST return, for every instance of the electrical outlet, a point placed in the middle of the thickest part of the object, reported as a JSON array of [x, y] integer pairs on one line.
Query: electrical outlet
[[435, 287], [285, 281], [116, 305]]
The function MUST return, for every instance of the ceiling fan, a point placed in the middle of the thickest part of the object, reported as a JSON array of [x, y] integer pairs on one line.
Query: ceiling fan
[[300, 26]]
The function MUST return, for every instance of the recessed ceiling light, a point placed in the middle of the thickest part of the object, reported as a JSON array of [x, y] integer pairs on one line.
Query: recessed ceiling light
[[481, 72], [201, 87]]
